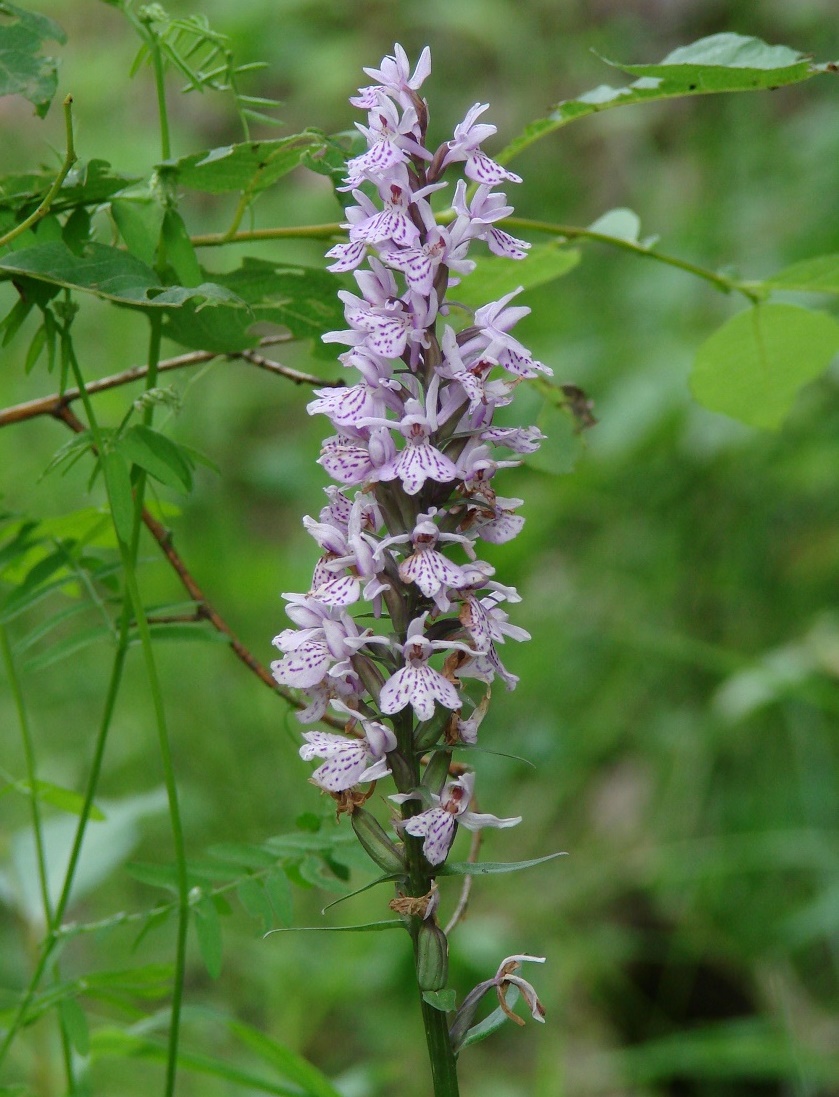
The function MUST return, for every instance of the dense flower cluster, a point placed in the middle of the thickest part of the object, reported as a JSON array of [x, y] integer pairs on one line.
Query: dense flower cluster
[[415, 455]]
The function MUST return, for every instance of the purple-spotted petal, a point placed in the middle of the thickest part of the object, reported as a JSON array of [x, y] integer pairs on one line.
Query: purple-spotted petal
[[438, 828]]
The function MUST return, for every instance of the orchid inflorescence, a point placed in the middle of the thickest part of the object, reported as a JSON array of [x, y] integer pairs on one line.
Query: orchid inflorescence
[[414, 454]]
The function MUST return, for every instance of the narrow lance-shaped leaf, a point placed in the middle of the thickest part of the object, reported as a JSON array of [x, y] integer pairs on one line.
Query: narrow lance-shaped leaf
[[287, 1063], [208, 931], [492, 868], [120, 496], [719, 63], [158, 455], [753, 367], [62, 798]]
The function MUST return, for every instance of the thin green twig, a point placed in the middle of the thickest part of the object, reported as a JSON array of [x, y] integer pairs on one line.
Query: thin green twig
[[31, 771], [574, 232], [159, 85], [289, 232], [752, 290], [43, 209]]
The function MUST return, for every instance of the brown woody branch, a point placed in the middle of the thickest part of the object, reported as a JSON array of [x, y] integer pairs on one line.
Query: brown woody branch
[[52, 405]]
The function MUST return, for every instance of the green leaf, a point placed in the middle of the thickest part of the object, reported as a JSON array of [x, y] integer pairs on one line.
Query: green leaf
[[121, 1043], [162, 876], [139, 220], [620, 224], [250, 166], [36, 578], [62, 798], [719, 63], [23, 70], [180, 631], [44, 628], [243, 855], [495, 276], [278, 890], [817, 275], [38, 343], [74, 1023], [77, 641], [287, 1064], [745, 1049], [208, 931], [492, 868], [146, 981], [561, 448], [490, 1024], [299, 299], [366, 927], [120, 496], [444, 1000], [158, 455], [253, 898], [295, 843], [753, 367], [177, 251], [88, 183], [107, 272], [106, 846]]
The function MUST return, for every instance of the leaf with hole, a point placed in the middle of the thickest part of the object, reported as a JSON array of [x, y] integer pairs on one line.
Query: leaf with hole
[[24, 70], [250, 166]]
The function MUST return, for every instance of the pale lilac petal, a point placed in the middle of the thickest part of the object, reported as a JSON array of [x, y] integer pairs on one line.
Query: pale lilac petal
[[339, 590], [321, 744], [430, 570], [438, 828], [473, 820], [303, 668], [484, 170], [345, 460], [418, 463], [346, 256]]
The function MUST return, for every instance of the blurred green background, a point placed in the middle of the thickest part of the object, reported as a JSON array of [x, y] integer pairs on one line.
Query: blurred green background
[[678, 698]]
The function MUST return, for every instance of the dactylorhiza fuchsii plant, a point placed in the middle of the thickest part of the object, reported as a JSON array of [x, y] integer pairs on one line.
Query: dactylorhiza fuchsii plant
[[400, 633]]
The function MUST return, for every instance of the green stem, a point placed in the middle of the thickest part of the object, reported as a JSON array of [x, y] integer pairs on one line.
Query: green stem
[[574, 232], [291, 232], [84, 817], [128, 553], [443, 1061], [751, 289], [31, 772], [435, 1023], [174, 816], [159, 87], [40, 856], [69, 159]]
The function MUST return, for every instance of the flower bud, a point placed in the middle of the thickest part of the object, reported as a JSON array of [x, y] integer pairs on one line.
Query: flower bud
[[437, 771], [432, 957], [375, 841]]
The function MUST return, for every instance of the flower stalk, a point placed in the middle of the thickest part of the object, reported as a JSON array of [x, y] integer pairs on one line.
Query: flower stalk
[[400, 630]]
